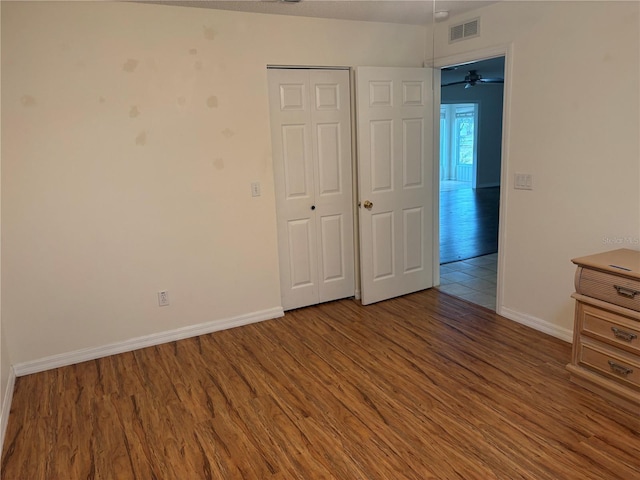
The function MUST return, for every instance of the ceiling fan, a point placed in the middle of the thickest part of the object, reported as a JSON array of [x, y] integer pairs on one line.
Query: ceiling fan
[[472, 78]]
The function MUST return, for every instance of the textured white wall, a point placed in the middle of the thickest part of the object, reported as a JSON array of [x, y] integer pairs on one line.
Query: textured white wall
[[573, 123], [131, 135]]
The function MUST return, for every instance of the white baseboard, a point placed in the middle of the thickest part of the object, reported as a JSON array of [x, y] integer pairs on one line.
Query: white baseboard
[[6, 406], [537, 324], [85, 354]]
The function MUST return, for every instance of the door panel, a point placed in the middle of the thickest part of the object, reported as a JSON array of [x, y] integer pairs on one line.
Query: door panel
[[332, 248], [331, 122], [296, 153], [383, 248], [413, 241], [293, 95], [329, 159], [381, 155], [413, 152], [301, 254], [395, 160], [311, 136]]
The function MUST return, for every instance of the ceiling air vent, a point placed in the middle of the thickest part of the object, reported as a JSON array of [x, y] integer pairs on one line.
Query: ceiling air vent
[[463, 31]]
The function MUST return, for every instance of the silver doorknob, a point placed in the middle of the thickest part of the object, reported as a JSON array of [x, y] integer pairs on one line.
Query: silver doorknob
[[367, 204]]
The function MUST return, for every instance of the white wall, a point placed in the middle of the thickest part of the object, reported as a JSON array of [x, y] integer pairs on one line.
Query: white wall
[[131, 135], [489, 150], [573, 124]]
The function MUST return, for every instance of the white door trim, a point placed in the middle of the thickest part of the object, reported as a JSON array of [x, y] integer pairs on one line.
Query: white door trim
[[437, 63]]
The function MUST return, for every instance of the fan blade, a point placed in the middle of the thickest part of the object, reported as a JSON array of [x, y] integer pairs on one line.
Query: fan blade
[[492, 80], [453, 83]]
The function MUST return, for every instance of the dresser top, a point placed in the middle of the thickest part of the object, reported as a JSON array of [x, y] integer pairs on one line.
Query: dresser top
[[623, 262]]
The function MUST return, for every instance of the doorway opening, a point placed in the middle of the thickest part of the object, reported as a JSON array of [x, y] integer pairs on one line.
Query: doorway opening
[[470, 169]]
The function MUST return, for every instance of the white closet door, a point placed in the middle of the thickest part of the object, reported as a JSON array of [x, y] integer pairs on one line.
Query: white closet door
[[311, 137], [395, 164]]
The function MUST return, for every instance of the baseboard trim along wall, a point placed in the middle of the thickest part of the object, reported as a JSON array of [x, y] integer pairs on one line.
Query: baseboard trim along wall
[[70, 358], [6, 406], [538, 324]]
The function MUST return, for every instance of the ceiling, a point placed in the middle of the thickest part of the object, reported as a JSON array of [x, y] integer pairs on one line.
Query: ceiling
[[415, 12]]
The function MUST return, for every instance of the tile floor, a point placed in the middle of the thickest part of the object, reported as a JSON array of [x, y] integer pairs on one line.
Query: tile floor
[[473, 279]]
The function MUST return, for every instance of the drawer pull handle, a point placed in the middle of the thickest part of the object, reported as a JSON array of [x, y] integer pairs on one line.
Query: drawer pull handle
[[626, 292], [622, 335], [619, 369]]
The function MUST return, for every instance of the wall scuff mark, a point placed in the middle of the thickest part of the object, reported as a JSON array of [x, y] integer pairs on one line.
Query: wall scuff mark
[[218, 163], [212, 101], [28, 101], [209, 32], [130, 65], [141, 139]]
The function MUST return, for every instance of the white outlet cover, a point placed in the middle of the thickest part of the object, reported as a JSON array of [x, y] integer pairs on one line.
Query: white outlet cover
[[163, 298]]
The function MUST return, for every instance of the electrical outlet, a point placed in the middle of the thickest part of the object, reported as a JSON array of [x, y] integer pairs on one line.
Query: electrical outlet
[[255, 189], [163, 298]]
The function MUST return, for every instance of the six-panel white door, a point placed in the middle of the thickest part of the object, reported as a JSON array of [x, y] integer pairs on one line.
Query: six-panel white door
[[311, 139], [395, 164]]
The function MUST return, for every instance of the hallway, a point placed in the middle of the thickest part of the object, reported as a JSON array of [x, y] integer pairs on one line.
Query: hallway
[[468, 221], [469, 242], [473, 280]]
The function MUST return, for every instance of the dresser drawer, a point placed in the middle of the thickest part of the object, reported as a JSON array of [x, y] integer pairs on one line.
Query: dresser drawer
[[615, 364], [612, 328], [608, 287]]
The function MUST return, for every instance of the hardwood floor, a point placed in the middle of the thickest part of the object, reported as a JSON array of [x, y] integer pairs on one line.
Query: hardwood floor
[[424, 386], [468, 223]]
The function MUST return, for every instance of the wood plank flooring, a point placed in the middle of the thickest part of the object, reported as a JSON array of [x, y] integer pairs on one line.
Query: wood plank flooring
[[424, 386], [468, 223]]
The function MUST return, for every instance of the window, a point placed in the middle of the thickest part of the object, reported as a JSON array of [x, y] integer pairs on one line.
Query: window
[[458, 141]]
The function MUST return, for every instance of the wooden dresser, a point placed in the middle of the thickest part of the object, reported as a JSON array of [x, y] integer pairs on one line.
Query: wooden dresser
[[606, 336]]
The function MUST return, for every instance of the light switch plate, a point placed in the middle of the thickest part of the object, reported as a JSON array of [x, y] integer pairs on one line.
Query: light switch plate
[[255, 189], [523, 181]]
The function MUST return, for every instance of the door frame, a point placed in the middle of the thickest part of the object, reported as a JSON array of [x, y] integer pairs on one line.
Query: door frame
[[438, 63]]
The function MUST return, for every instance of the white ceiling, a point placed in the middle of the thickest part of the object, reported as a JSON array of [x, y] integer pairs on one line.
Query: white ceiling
[[416, 12]]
